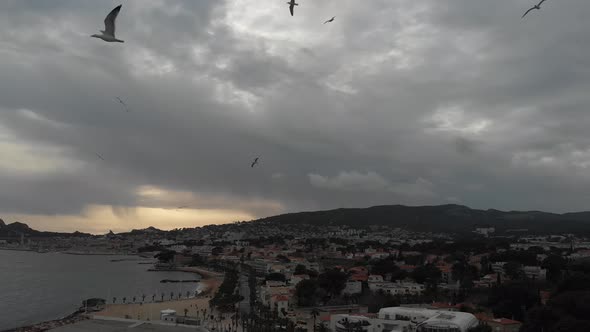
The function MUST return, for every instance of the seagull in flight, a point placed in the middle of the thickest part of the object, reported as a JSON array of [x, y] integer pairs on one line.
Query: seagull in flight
[[255, 162], [122, 103], [292, 5], [181, 207], [99, 156], [108, 34], [537, 6], [330, 20]]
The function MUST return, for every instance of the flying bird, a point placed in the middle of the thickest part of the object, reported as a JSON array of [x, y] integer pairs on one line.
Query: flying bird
[[122, 103], [255, 162], [108, 34], [181, 207], [537, 6], [99, 156], [330, 20], [292, 5]]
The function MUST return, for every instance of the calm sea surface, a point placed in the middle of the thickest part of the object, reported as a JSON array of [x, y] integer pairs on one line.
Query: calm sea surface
[[38, 287]]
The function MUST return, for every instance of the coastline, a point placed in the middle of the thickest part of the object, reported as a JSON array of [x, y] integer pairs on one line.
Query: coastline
[[72, 318], [151, 310]]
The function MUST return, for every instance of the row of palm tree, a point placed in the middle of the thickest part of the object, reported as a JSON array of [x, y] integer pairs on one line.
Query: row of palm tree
[[143, 296]]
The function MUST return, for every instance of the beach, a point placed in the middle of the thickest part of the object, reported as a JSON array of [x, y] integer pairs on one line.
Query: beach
[[151, 311]]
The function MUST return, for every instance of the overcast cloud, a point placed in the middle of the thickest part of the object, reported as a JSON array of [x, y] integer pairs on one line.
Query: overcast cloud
[[396, 101]]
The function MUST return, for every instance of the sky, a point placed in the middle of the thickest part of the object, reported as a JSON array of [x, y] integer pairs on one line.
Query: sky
[[395, 102]]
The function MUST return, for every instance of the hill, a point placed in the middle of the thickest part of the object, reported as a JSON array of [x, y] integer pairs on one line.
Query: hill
[[15, 229], [442, 218]]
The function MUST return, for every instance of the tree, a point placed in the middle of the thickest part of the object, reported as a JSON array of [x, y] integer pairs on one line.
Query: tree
[[165, 256], [314, 313], [217, 251], [300, 269], [283, 259], [554, 265], [114, 300], [276, 277], [426, 274], [306, 292], [333, 282], [384, 266], [399, 274], [481, 328], [512, 300], [513, 269], [185, 312]]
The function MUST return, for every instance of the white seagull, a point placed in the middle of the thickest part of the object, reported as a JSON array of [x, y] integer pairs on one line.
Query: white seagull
[[108, 34], [330, 20], [538, 6], [292, 5]]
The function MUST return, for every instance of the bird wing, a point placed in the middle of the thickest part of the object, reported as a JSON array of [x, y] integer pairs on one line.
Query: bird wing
[[528, 11], [541, 2], [109, 21], [291, 8]]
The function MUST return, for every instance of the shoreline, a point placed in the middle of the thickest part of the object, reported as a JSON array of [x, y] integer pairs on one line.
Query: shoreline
[[209, 280], [151, 311], [72, 318]]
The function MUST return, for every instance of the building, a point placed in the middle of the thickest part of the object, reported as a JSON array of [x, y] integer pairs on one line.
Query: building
[[400, 319], [397, 288], [485, 231], [168, 315], [535, 272], [353, 287], [500, 324], [280, 304], [375, 278], [260, 266]]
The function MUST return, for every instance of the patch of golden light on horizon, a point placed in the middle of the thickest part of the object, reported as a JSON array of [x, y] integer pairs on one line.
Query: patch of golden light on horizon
[[154, 196], [99, 219]]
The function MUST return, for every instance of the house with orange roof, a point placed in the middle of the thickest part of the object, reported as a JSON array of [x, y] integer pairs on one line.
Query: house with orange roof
[[499, 324]]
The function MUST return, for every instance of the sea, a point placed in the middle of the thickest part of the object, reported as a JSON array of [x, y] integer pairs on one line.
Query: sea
[[37, 287]]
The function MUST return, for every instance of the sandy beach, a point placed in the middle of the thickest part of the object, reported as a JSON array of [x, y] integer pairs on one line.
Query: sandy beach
[[151, 311]]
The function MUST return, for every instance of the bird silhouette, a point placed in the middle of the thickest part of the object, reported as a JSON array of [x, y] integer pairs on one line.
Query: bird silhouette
[[330, 20], [122, 103], [99, 156], [292, 5], [255, 162], [108, 34], [537, 6]]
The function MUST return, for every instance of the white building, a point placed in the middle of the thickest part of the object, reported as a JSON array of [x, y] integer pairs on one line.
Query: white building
[[485, 231], [427, 320], [400, 319], [178, 248], [535, 272], [353, 287], [397, 288], [202, 250], [168, 315]]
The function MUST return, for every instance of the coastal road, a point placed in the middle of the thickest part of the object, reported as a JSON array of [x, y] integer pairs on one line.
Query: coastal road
[[244, 289]]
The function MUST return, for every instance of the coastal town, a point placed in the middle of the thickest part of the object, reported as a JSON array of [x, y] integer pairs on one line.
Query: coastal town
[[260, 276]]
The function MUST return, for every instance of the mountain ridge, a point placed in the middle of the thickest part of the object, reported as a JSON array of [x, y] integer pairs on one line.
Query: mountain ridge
[[450, 218], [439, 218]]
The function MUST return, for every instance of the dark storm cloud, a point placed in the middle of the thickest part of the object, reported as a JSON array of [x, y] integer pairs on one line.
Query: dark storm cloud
[[453, 101]]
